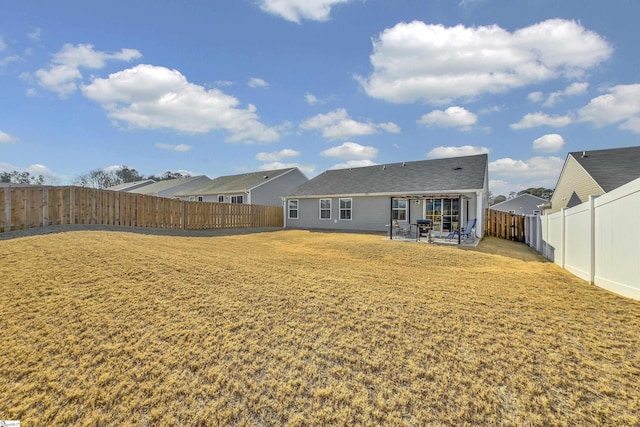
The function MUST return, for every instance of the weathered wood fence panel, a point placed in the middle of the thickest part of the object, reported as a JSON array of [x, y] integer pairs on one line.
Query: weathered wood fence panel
[[28, 207], [505, 225]]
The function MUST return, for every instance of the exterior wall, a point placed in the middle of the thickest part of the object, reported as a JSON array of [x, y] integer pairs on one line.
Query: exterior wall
[[573, 178], [598, 240], [271, 192], [368, 214], [371, 213]]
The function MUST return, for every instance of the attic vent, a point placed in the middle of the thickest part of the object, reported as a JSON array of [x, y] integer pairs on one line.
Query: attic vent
[[457, 168], [266, 177], [404, 164], [584, 154], [384, 167]]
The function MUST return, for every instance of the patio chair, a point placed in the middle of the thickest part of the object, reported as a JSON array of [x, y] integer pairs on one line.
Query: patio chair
[[465, 232], [399, 230]]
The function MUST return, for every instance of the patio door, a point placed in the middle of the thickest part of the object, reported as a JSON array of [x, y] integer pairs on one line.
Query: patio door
[[444, 213]]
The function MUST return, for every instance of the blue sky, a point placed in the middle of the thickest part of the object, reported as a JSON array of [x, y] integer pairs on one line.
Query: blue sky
[[224, 86]]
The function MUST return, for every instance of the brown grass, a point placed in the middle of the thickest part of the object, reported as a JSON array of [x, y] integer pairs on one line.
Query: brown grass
[[303, 328]]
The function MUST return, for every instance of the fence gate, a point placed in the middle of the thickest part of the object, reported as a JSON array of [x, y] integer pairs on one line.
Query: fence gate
[[505, 225]]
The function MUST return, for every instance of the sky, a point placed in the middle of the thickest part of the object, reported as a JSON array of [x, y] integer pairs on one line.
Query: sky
[[222, 87]]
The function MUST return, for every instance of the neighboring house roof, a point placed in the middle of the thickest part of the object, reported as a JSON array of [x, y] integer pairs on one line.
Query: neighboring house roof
[[127, 186], [526, 202], [230, 184], [574, 200], [426, 176], [166, 184], [610, 168]]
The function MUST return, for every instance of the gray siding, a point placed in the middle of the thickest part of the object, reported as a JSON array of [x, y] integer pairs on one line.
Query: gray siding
[[368, 214], [270, 193]]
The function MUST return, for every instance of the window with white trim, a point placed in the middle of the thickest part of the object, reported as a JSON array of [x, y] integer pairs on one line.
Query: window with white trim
[[325, 208], [220, 199], [200, 198], [237, 199], [292, 209], [399, 210], [345, 209], [192, 198]]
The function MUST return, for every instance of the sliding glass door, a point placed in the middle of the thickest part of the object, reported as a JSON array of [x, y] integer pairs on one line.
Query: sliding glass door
[[444, 213]]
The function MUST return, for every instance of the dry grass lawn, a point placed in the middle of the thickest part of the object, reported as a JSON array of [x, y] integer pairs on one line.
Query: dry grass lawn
[[303, 328]]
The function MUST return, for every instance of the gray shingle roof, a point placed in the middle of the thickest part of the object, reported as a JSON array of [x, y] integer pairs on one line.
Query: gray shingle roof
[[166, 184], [426, 176], [611, 168], [234, 183]]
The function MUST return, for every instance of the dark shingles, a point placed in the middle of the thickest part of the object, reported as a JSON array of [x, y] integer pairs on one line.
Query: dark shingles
[[611, 168], [439, 175], [234, 183]]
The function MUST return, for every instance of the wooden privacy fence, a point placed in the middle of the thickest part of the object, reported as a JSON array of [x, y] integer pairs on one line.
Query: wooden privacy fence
[[28, 207], [505, 225]]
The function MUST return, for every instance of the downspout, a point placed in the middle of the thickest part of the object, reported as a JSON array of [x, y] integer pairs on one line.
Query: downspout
[[391, 218]]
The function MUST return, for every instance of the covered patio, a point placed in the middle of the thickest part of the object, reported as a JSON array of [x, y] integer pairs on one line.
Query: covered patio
[[432, 218]]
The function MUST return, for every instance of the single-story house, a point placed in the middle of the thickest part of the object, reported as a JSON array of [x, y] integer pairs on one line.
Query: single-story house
[[524, 204], [129, 186], [595, 173], [448, 191], [257, 188], [170, 187]]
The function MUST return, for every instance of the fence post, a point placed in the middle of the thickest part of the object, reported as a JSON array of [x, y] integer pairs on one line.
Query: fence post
[[563, 237], [592, 239]]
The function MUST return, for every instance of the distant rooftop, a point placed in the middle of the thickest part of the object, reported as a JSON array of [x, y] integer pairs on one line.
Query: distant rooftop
[[234, 183]]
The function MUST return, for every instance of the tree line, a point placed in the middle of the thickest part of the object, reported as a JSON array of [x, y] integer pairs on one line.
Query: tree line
[[96, 178]]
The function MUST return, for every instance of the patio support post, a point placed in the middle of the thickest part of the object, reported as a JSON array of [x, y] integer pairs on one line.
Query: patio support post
[[460, 218], [391, 218]]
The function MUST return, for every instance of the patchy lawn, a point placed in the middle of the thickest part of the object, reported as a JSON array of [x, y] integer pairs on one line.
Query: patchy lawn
[[300, 328]]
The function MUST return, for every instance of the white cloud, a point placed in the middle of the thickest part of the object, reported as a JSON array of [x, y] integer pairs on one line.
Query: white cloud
[[257, 82], [151, 97], [171, 147], [306, 169], [532, 120], [535, 96], [576, 88], [5, 138], [64, 71], [277, 155], [353, 164], [35, 34], [539, 169], [451, 117], [549, 143], [621, 104], [465, 150], [438, 64], [296, 10], [352, 151], [338, 125], [311, 99]]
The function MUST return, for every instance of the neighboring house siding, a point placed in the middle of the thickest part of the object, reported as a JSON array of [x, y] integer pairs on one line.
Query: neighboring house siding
[[573, 178], [270, 193]]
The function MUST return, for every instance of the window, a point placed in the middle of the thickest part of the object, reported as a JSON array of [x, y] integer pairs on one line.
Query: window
[[345, 209], [220, 199], [293, 209], [237, 199], [325, 208], [192, 198], [200, 198], [399, 210], [537, 212]]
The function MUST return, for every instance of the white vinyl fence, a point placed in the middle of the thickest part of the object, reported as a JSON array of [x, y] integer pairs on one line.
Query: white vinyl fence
[[598, 241]]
